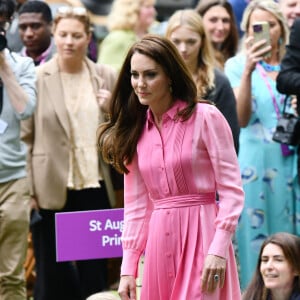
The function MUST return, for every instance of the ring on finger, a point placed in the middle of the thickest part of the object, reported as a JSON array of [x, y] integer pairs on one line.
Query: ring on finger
[[216, 278]]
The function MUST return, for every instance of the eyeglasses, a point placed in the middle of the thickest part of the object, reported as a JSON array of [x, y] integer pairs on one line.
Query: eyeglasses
[[77, 10]]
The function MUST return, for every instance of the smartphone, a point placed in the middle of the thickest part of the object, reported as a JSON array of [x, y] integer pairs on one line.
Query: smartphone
[[261, 31]]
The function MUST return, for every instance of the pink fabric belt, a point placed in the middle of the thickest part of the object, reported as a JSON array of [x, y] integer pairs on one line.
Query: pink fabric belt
[[185, 201]]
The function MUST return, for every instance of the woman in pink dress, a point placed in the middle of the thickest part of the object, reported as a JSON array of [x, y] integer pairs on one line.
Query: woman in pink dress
[[175, 153]]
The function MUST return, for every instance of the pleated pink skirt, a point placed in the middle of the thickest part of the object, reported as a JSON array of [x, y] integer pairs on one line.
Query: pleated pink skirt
[[178, 242]]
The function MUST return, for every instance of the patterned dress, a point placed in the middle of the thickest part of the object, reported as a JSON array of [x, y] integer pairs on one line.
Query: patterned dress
[[271, 189], [170, 206]]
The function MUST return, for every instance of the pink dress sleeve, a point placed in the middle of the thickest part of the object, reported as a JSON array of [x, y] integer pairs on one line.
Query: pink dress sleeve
[[138, 209], [217, 137]]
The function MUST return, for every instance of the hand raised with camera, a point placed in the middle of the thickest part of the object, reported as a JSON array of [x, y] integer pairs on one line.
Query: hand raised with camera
[[255, 52]]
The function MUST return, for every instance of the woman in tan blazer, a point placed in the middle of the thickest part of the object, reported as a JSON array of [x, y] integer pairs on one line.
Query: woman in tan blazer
[[65, 170]]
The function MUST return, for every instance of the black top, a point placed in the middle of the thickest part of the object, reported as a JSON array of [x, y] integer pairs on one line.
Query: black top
[[295, 296], [288, 80], [223, 97]]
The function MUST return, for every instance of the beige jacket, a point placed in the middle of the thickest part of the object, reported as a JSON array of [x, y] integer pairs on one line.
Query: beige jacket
[[47, 135]]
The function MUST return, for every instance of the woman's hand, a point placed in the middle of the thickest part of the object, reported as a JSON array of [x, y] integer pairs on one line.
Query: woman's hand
[[214, 268], [127, 288], [34, 203], [255, 52], [294, 105], [103, 97]]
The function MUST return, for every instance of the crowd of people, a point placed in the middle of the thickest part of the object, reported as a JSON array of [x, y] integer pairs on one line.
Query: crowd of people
[[267, 172], [180, 118]]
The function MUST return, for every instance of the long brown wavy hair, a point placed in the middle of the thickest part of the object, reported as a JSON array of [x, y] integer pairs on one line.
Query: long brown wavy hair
[[290, 245], [230, 46], [118, 138]]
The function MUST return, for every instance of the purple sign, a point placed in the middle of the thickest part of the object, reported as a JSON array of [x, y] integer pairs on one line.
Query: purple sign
[[89, 234]]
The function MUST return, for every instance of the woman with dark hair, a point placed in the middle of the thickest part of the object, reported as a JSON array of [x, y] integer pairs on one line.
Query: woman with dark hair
[[175, 153], [277, 274], [220, 24]]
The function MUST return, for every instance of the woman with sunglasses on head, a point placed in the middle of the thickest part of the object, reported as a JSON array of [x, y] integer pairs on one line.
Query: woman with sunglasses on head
[[65, 169], [128, 21], [186, 30], [277, 274]]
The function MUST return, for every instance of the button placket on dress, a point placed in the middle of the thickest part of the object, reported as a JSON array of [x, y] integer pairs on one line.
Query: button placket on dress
[[164, 135]]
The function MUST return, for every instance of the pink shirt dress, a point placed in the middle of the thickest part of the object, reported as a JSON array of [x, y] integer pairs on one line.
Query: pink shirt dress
[[171, 211]]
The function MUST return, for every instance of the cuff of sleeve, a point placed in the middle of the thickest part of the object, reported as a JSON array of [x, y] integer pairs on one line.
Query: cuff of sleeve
[[28, 111], [220, 243], [130, 262]]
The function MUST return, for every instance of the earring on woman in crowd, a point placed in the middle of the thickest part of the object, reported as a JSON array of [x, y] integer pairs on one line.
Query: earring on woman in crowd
[[170, 88]]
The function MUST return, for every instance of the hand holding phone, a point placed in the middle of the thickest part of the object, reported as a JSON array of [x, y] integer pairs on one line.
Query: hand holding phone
[[261, 31]]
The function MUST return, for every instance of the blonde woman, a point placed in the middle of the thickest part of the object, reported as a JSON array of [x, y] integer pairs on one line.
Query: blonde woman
[[128, 21], [185, 29], [65, 170]]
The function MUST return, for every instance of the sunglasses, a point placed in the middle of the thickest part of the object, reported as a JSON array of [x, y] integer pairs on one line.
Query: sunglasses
[[66, 10]]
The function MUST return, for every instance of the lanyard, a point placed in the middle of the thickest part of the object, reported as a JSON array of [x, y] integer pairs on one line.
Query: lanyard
[[264, 77]]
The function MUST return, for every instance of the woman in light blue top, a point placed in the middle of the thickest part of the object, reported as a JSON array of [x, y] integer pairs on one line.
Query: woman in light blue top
[[267, 168]]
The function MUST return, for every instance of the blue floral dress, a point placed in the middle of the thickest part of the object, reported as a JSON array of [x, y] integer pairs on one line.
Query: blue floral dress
[[269, 178]]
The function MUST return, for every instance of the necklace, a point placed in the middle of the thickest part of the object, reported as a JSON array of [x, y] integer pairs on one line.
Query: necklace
[[268, 67]]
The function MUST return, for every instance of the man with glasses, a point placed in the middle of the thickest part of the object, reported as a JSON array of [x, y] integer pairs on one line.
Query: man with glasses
[[17, 102]]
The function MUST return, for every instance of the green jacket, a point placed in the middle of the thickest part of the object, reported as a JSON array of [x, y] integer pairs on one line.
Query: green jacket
[[114, 47]]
